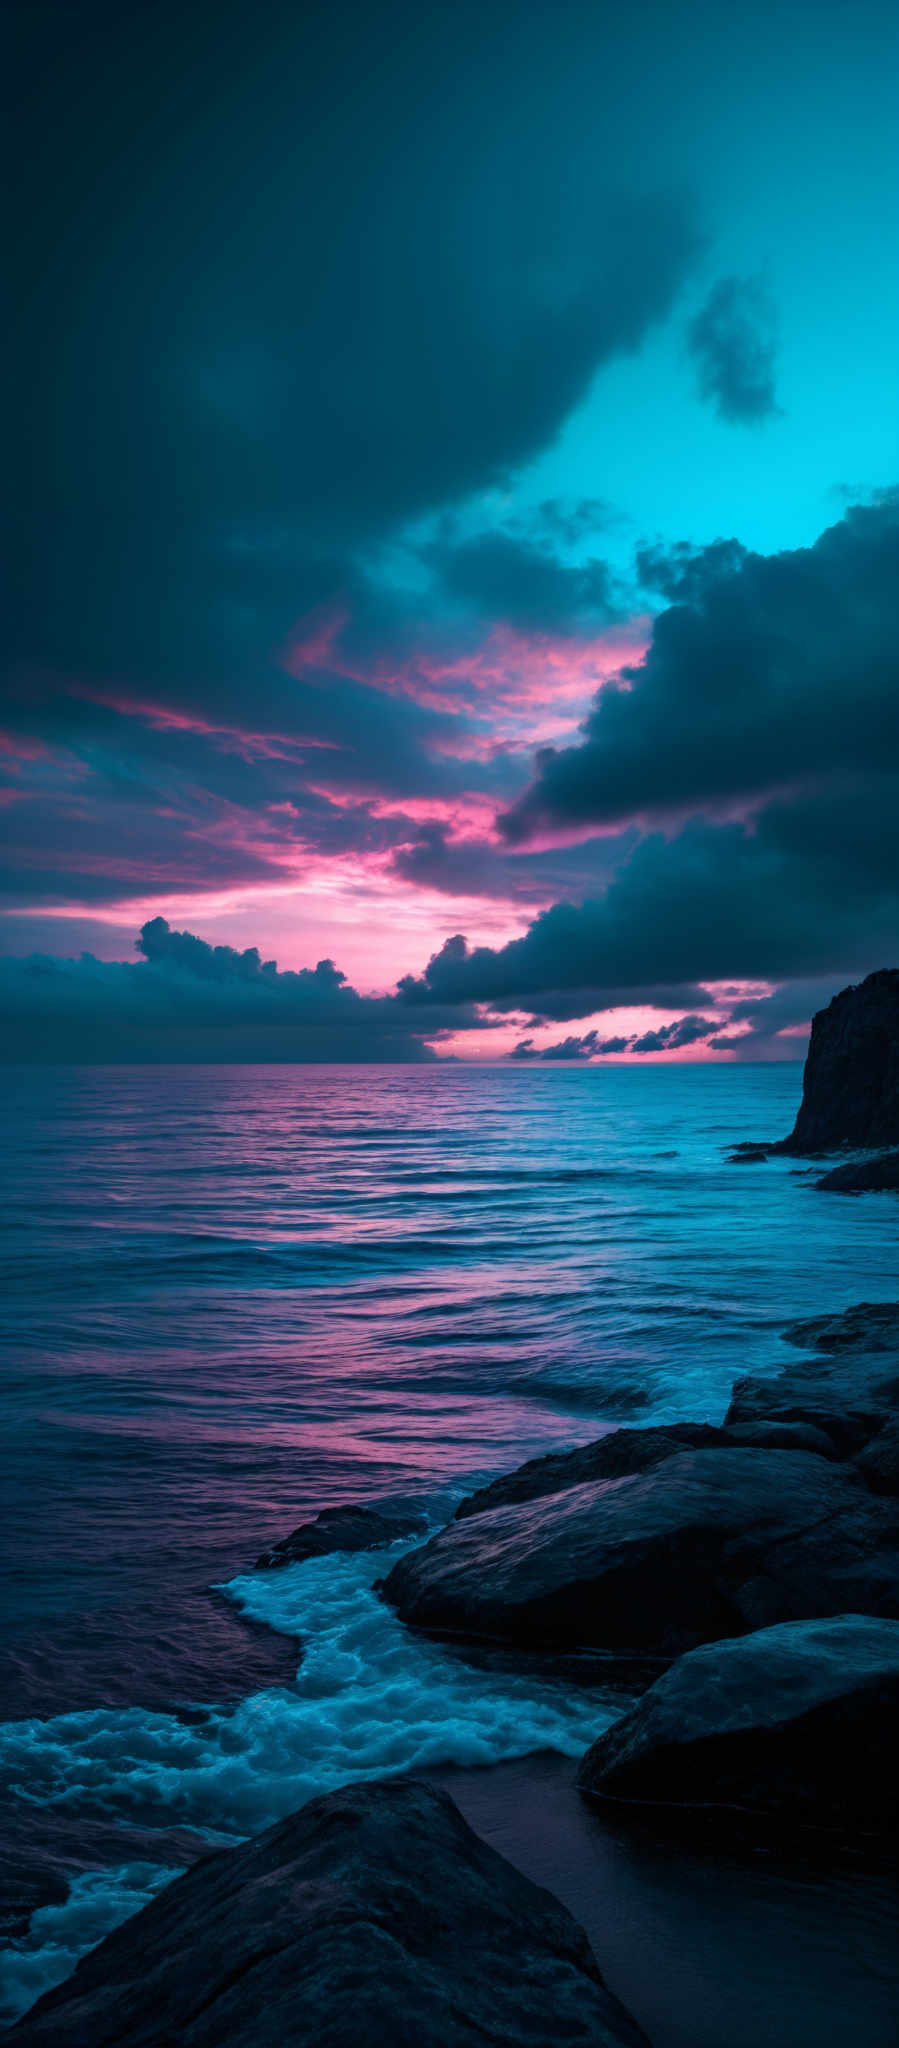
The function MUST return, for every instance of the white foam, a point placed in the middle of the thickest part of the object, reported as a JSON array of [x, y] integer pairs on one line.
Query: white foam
[[59, 1935], [369, 1697]]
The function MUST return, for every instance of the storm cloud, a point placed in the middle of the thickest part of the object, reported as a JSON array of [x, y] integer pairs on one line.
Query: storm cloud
[[770, 672]]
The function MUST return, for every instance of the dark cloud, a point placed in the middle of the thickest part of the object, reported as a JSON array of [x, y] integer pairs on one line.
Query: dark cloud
[[524, 583], [773, 671], [685, 1031], [808, 889], [186, 1000], [684, 573], [776, 1024], [282, 283], [673, 1037], [564, 1049], [480, 867], [733, 343], [306, 282]]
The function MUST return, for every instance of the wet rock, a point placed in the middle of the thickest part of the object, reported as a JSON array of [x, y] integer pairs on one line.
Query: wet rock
[[624, 1451], [878, 1463], [770, 1435], [342, 1528], [850, 1086], [373, 1916], [613, 1456], [867, 1326], [849, 1388], [793, 1725], [708, 1543], [749, 1154], [861, 1175]]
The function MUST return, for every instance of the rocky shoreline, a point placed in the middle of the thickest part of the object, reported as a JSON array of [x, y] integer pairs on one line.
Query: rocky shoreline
[[743, 1578]]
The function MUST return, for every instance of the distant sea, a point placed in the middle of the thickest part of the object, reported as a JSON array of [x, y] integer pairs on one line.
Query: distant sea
[[233, 1296]]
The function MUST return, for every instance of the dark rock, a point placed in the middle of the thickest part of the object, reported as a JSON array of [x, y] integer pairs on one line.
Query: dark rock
[[343, 1528], [860, 1175], [613, 1456], [794, 1724], [374, 1916], [850, 1087], [867, 1326], [624, 1451], [707, 1544], [771, 1435], [749, 1155], [849, 1389], [878, 1463]]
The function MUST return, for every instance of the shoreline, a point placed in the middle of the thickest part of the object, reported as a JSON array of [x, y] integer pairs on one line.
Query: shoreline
[[706, 1950]]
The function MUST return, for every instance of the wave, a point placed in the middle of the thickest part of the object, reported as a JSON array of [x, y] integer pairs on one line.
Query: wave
[[368, 1698]]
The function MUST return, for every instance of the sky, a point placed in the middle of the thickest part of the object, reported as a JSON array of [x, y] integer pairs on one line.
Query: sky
[[453, 566]]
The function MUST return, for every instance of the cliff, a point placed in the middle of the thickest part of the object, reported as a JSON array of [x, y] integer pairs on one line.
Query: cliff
[[850, 1088]]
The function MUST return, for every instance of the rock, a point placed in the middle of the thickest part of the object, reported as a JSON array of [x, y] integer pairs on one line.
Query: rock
[[343, 1528], [373, 1916], [859, 1175], [609, 1457], [709, 1543], [878, 1463], [624, 1451], [867, 1326], [849, 1389], [750, 1155], [850, 1087], [794, 1724], [770, 1435]]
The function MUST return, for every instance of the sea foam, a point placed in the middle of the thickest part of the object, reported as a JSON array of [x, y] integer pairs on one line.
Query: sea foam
[[369, 1698]]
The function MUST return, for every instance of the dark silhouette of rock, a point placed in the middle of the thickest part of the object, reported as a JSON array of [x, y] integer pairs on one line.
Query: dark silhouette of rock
[[370, 1918], [749, 1154], [849, 1388], [859, 1175], [850, 1087], [794, 1724], [343, 1528], [878, 1463], [708, 1543]]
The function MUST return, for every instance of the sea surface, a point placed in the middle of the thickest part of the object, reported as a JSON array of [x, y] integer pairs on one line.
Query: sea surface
[[232, 1296]]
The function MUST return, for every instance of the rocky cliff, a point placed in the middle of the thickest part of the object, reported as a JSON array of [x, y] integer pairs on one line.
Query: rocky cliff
[[850, 1089]]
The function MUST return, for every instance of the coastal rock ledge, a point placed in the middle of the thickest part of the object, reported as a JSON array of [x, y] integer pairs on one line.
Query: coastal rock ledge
[[793, 1726], [375, 1915]]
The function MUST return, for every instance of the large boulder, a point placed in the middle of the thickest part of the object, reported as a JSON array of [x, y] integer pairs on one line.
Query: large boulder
[[707, 1544], [613, 1456], [850, 1087], [341, 1528], [794, 1724], [372, 1916], [623, 1451], [849, 1388]]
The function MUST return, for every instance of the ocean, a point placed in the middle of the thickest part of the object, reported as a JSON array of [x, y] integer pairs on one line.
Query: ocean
[[233, 1296]]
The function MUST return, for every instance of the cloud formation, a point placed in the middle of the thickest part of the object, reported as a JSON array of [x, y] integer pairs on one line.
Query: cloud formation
[[764, 673], [186, 1000], [732, 341]]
